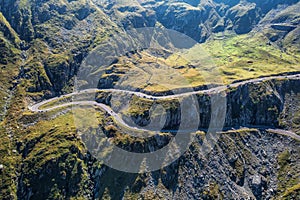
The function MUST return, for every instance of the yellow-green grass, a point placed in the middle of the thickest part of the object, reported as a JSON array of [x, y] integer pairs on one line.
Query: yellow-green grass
[[12, 33], [138, 105], [9, 160], [9, 70], [51, 138], [214, 62], [9, 130], [242, 131], [292, 190], [287, 185], [55, 134], [245, 57], [161, 74], [296, 122]]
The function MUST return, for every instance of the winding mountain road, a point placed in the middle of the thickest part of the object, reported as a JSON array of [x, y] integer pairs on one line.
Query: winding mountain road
[[37, 107]]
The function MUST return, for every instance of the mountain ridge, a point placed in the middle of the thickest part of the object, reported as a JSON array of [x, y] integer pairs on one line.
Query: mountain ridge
[[43, 47]]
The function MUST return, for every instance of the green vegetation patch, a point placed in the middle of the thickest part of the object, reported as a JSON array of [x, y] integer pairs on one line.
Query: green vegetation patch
[[247, 56], [288, 178], [52, 153]]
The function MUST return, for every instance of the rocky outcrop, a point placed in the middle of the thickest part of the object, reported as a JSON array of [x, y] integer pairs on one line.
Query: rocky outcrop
[[196, 19], [254, 104], [45, 162], [242, 164], [282, 27], [59, 25], [19, 16], [62, 175], [244, 17]]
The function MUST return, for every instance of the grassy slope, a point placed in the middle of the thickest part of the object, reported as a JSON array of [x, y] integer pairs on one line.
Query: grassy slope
[[288, 177], [56, 142], [57, 135], [244, 57], [10, 62], [222, 60], [53, 143]]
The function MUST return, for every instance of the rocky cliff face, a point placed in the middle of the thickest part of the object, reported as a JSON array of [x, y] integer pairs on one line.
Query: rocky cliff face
[[242, 165], [55, 38], [254, 104], [264, 104], [43, 43], [19, 16], [197, 19], [246, 163]]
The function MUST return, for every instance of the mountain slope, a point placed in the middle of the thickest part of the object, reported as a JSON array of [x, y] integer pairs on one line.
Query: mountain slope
[[197, 19], [43, 44]]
